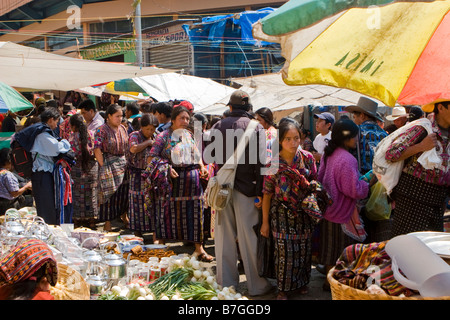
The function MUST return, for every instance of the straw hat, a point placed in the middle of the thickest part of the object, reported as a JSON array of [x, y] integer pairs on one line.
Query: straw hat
[[70, 286], [430, 106], [397, 112]]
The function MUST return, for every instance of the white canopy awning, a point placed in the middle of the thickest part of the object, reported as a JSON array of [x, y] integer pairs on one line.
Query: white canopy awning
[[201, 92], [270, 91], [26, 67]]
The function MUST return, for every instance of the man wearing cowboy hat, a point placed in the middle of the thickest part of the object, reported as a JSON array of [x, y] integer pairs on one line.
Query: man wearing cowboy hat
[[420, 194], [399, 116], [365, 116]]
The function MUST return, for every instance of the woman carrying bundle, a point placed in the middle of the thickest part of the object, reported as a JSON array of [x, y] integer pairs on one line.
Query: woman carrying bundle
[[174, 178], [284, 217]]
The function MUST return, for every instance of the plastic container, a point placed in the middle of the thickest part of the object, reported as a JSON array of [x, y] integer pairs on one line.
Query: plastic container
[[425, 271]]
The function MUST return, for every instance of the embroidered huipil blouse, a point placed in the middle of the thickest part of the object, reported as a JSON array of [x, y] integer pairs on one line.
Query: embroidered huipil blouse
[[75, 143], [412, 166], [139, 159], [286, 189], [110, 141]]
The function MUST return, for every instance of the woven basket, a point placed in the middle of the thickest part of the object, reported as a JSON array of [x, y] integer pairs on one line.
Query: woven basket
[[341, 291], [70, 286]]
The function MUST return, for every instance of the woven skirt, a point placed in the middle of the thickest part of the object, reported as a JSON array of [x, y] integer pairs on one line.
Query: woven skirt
[[117, 204], [332, 241], [139, 219], [85, 184], [111, 176], [292, 236], [419, 206], [180, 216]]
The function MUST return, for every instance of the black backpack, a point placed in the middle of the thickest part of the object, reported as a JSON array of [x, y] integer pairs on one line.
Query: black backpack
[[21, 157], [21, 160]]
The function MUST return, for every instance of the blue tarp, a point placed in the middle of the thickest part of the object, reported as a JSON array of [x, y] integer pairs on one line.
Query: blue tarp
[[212, 29], [224, 46]]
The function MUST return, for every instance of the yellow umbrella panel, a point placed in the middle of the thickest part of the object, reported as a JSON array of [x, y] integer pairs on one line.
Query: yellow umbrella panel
[[371, 51]]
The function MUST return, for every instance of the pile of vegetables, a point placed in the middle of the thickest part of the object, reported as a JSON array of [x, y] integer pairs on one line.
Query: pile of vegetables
[[185, 280]]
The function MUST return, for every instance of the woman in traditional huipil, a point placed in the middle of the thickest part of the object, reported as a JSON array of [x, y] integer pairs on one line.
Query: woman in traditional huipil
[[84, 173], [284, 215], [174, 177], [110, 148], [140, 143]]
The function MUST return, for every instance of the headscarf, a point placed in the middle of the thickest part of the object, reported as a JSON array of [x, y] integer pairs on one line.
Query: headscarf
[[25, 259]]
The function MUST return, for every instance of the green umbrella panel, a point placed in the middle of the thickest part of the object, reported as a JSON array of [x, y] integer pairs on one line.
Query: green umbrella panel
[[12, 100], [299, 14]]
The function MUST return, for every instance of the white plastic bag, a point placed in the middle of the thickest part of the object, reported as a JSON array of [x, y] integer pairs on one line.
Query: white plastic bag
[[388, 173]]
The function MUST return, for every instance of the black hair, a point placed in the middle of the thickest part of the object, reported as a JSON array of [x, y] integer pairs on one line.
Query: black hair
[[147, 107], [286, 125], [213, 121], [112, 109], [266, 114], [415, 113], [78, 122], [49, 113], [201, 117], [28, 95], [164, 108], [135, 123], [87, 105], [343, 130], [149, 120], [245, 107], [41, 108], [305, 131], [52, 104], [177, 111], [444, 103], [5, 156], [133, 107], [286, 119]]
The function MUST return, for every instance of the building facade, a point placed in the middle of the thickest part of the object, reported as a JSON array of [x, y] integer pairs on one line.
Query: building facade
[[104, 30]]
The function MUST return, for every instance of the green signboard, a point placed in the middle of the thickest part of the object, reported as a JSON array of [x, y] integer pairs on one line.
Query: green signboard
[[109, 49]]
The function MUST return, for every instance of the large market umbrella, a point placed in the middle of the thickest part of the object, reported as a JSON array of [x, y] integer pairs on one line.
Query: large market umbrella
[[11, 99], [393, 53]]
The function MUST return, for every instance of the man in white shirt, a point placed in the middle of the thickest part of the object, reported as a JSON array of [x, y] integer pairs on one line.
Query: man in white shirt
[[325, 121], [91, 116]]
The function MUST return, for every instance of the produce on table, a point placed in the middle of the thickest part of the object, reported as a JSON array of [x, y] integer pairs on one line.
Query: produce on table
[[185, 280]]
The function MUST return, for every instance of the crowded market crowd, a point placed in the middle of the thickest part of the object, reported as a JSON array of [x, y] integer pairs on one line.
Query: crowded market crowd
[[133, 161]]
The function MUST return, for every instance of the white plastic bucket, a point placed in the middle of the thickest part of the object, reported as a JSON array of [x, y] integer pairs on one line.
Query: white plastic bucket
[[425, 271]]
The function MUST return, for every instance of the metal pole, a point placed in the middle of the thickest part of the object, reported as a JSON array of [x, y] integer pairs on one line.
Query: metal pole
[[138, 30]]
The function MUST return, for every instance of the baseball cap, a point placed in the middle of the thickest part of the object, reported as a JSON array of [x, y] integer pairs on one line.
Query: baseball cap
[[328, 117], [239, 97], [186, 104]]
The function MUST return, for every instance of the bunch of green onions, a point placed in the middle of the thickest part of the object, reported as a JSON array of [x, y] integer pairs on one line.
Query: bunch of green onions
[[178, 283]]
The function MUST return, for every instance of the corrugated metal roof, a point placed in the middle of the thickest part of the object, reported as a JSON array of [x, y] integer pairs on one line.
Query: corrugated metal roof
[[15, 14]]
